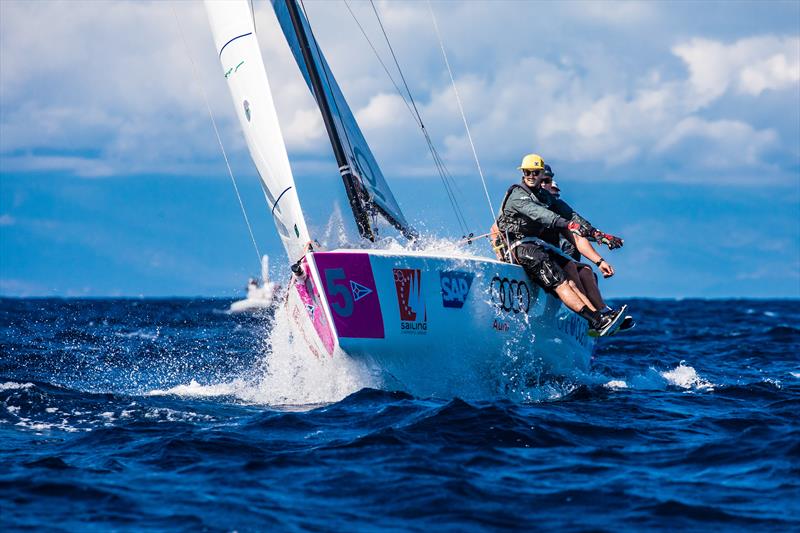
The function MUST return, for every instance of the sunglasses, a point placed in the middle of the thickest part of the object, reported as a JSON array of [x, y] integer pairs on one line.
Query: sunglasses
[[532, 173], [547, 180]]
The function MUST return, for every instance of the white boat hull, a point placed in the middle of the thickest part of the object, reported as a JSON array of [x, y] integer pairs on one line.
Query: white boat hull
[[434, 325], [250, 304]]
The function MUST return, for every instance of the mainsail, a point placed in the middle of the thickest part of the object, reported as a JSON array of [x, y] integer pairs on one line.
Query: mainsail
[[358, 166], [234, 34]]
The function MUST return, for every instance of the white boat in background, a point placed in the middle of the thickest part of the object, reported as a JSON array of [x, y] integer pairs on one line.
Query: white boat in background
[[432, 323], [260, 295]]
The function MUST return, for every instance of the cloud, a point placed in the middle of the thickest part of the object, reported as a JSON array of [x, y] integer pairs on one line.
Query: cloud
[[85, 167], [613, 14], [751, 66], [382, 110], [118, 96], [724, 143], [23, 288]]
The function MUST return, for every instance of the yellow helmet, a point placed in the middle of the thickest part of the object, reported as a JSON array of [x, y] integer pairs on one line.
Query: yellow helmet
[[532, 162]]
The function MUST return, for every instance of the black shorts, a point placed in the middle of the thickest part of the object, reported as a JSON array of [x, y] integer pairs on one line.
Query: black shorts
[[543, 266]]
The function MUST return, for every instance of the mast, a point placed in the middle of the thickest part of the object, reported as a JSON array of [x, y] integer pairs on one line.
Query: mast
[[351, 183]]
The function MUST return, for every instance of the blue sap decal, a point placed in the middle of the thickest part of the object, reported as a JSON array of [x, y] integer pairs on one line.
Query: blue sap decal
[[455, 287]]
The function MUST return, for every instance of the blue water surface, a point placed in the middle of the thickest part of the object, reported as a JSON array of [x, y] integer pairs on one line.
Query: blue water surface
[[133, 415]]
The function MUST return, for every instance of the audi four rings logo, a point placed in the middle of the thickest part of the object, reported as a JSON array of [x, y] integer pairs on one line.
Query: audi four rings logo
[[510, 294]]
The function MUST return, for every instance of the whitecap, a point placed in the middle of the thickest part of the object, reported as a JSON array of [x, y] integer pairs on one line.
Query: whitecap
[[139, 333], [686, 377], [196, 390], [12, 385]]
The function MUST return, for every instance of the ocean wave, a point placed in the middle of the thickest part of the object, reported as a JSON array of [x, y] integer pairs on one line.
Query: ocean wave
[[224, 423]]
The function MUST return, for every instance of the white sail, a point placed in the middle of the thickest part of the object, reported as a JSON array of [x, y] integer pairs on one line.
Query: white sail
[[235, 36]]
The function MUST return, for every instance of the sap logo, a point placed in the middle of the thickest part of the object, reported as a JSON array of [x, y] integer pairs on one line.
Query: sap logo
[[455, 287]]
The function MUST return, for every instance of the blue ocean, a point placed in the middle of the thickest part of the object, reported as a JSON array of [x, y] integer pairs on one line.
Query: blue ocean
[[131, 415]]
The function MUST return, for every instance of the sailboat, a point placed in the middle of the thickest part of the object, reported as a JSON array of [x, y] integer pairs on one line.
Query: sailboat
[[433, 323], [259, 295]]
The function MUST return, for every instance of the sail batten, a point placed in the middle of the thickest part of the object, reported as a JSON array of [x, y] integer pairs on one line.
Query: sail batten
[[365, 184]]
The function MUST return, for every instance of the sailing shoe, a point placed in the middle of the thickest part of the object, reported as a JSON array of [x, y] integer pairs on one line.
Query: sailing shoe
[[608, 322], [626, 324]]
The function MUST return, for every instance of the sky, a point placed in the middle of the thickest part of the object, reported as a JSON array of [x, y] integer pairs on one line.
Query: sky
[[675, 125]]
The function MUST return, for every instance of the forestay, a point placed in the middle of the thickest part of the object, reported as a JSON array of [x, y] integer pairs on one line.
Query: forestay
[[234, 34], [362, 162]]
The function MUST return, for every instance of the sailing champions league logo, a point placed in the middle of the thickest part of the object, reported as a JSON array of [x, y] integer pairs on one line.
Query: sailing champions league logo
[[413, 315], [455, 287]]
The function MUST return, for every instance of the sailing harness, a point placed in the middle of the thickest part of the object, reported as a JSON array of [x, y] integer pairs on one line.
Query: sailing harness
[[505, 234]]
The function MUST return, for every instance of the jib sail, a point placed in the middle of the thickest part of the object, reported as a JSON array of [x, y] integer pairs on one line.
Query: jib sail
[[366, 187]]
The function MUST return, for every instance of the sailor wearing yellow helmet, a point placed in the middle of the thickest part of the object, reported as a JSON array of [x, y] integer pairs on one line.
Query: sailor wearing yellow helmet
[[533, 220]]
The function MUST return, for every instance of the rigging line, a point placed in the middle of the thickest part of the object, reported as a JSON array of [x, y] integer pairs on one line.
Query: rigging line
[[367, 198], [216, 132], [385, 68], [370, 204], [394, 57], [461, 109], [438, 161], [449, 191], [414, 114]]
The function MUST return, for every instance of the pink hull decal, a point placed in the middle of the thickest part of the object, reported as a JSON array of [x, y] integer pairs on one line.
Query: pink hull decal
[[350, 287], [310, 297]]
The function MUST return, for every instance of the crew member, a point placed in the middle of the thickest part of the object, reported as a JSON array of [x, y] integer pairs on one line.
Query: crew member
[[549, 184], [533, 226], [580, 245]]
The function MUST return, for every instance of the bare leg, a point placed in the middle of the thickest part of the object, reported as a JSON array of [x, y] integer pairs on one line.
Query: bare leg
[[570, 297], [589, 287], [582, 296]]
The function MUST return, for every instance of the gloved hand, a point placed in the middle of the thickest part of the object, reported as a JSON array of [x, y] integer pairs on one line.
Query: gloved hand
[[606, 238], [578, 229]]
